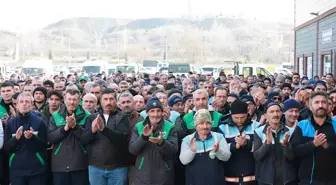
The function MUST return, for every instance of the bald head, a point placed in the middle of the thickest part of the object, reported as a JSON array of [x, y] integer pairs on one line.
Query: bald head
[[90, 102], [139, 102]]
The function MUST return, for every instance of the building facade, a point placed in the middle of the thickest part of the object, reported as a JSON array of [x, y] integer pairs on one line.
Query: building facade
[[315, 45]]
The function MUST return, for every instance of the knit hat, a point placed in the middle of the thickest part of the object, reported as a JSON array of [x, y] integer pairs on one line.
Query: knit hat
[[83, 77], [272, 94], [153, 103], [187, 97], [247, 98], [286, 85], [320, 82], [173, 91], [41, 89], [238, 107], [289, 104], [173, 100], [202, 115], [270, 103]]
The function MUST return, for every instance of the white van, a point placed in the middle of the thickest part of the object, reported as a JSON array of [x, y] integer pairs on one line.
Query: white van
[[95, 66], [252, 69], [128, 68], [214, 70], [37, 67]]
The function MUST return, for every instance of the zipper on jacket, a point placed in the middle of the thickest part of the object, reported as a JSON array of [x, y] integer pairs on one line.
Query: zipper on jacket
[[82, 148], [204, 146], [58, 148], [11, 159], [141, 163], [167, 166], [313, 167], [40, 158]]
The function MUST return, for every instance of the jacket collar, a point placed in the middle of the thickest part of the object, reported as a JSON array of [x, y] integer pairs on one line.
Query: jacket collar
[[198, 139], [282, 128]]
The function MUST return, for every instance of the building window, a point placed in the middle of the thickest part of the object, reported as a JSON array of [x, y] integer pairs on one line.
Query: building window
[[310, 67], [301, 72], [327, 64]]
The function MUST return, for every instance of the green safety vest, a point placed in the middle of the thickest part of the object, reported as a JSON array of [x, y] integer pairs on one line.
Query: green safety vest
[[167, 127], [189, 119], [3, 110], [59, 120]]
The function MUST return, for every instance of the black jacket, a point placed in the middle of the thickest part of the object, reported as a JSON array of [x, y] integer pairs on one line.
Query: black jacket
[[273, 160], [28, 156], [241, 162], [316, 163], [69, 152], [109, 149]]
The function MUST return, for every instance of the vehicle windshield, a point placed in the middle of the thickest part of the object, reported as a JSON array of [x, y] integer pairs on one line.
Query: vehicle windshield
[[126, 69], [210, 69], [92, 69], [110, 71], [179, 68], [150, 63], [288, 66], [33, 71]]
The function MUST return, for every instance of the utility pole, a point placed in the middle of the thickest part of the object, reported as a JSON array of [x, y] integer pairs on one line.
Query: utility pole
[[294, 13], [69, 49]]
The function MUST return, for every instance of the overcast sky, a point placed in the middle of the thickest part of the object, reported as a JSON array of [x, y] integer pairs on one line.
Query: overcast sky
[[34, 14]]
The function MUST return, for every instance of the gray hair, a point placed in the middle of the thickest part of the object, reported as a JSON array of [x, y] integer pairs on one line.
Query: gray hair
[[87, 86], [21, 95], [200, 91], [92, 96], [71, 86], [126, 94], [317, 93]]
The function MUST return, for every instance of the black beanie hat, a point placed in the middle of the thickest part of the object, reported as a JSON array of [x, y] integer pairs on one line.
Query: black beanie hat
[[238, 107], [41, 89], [153, 103]]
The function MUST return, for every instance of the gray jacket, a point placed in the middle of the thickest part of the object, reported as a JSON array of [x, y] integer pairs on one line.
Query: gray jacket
[[154, 163], [69, 153]]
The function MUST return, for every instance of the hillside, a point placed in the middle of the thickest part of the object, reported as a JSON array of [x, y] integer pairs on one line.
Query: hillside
[[195, 40]]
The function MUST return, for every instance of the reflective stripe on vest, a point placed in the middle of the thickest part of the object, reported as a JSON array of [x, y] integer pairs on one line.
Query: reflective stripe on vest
[[263, 137], [206, 145]]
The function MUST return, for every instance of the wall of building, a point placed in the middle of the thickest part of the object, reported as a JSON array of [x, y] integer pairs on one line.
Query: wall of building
[[325, 25], [306, 43]]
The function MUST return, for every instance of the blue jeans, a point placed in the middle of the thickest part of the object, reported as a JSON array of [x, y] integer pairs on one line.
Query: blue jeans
[[104, 177]]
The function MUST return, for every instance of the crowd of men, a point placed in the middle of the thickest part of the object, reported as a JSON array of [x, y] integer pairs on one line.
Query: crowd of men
[[163, 129]]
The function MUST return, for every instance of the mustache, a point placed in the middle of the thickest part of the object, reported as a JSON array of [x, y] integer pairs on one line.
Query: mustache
[[276, 117], [321, 109]]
